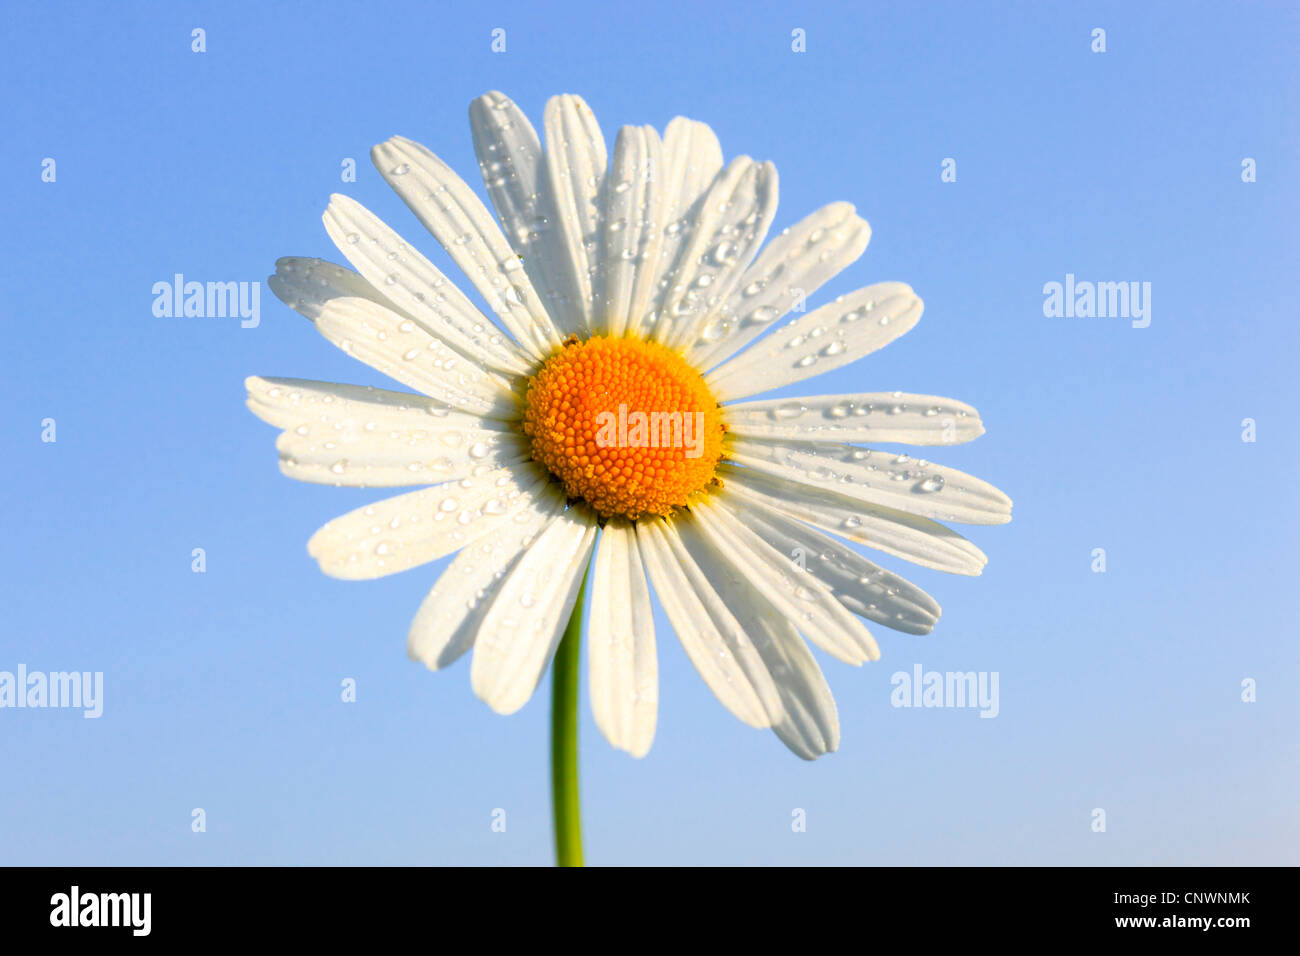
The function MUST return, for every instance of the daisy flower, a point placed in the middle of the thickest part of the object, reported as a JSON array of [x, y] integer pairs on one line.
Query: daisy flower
[[604, 426]]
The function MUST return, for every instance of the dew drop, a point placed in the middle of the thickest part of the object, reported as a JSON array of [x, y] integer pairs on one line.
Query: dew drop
[[929, 485], [723, 253]]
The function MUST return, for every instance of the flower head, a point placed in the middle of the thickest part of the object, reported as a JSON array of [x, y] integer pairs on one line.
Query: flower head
[[604, 423]]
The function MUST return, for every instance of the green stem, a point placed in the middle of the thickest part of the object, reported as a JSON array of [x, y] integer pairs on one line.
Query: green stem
[[564, 740]]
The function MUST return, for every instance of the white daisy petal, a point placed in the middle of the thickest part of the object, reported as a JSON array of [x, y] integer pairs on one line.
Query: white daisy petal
[[789, 269], [863, 417], [400, 348], [368, 437], [799, 597], [713, 639], [290, 402], [838, 333], [731, 223], [631, 228], [323, 467], [306, 285], [811, 726], [863, 587], [809, 723], [396, 457], [878, 477], [417, 288], [421, 526], [908, 536], [575, 169], [691, 159], [448, 620], [461, 223], [623, 669], [514, 169], [529, 612]]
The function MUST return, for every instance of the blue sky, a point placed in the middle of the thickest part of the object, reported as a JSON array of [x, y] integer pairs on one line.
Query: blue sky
[[1119, 690]]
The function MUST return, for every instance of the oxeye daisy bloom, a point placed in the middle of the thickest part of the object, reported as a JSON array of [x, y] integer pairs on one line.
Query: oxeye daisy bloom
[[606, 422]]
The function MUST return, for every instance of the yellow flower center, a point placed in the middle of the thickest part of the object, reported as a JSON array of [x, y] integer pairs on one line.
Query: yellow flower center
[[626, 425]]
